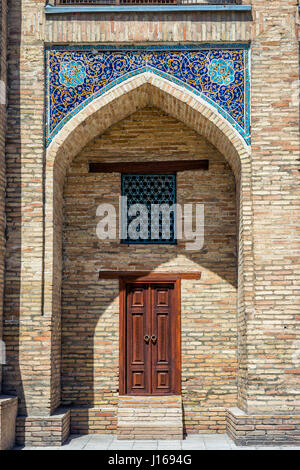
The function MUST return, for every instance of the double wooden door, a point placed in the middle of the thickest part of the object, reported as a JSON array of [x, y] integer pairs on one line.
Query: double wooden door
[[151, 339]]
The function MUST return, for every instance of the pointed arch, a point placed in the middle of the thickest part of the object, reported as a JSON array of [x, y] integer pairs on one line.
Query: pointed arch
[[116, 104], [136, 93]]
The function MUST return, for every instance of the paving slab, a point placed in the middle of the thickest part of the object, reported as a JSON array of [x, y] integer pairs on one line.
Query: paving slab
[[144, 447], [193, 444]]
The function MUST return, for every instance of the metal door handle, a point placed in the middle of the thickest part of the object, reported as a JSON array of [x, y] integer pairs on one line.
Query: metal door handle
[[153, 339], [147, 338]]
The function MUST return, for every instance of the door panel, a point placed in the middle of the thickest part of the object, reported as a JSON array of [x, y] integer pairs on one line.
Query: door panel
[[138, 356], [137, 360], [151, 325], [162, 338], [163, 330]]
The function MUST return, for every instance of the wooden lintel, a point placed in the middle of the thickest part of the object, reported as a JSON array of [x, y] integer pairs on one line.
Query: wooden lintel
[[151, 276], [148, 167]]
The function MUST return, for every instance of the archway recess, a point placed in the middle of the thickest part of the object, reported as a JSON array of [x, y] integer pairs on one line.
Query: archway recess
[[119, 102]]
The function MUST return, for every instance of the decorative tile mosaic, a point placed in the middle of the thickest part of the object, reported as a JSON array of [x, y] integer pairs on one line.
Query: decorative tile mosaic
[[78, 74], [148, 190]]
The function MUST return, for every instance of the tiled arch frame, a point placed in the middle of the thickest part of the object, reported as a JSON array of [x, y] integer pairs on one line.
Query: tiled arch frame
[[119, 102]]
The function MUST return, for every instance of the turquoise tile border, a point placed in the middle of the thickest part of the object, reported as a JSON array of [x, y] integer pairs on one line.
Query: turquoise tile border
[[57, 10]]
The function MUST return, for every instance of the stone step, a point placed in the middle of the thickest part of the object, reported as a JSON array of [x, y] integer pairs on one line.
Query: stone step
[[150, 417], [154, 400]]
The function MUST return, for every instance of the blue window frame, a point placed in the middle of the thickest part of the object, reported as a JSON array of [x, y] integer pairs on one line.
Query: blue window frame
[[148, 189]]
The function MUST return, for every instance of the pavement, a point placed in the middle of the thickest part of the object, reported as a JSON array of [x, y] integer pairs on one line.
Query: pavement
[[191, 442]]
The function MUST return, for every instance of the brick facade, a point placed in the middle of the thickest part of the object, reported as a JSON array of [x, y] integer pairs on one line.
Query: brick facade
[[8, 414], [264, 429], [38, 431], [263, 378], [3, 92]]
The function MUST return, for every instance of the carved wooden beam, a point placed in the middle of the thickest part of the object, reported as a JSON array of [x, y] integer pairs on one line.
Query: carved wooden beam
[[148, 167], [149, 275]]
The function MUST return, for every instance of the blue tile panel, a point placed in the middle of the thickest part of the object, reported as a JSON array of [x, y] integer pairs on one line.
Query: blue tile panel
[[76, 75], [147, 190]]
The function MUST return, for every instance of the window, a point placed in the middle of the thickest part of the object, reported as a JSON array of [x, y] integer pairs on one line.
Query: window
[[154, 221]]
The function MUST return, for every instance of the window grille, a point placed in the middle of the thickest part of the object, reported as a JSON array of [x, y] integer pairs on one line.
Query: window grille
[[149, 189]]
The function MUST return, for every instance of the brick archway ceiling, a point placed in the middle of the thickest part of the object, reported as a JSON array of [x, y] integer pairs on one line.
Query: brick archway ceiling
[[77, 75]]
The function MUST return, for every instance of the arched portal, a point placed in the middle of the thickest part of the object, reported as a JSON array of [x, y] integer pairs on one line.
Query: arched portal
[[120, 102]]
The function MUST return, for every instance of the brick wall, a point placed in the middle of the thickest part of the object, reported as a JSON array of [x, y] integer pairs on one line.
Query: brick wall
[[25, 296], [38, 431], [29, 369], [273, 327], [3, 84], [268, 347], [90, 310], [8, 413], [262, 428]]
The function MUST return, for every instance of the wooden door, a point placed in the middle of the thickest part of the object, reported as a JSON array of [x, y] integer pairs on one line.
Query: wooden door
[[137, 347], [163, 322], [151, 344]]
